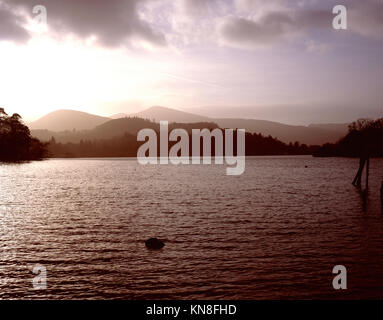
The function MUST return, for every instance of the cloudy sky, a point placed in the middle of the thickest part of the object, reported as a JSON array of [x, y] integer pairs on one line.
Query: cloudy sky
[[273, 59]]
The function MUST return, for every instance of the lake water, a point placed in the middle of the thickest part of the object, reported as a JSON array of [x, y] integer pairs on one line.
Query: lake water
[[275, 232]]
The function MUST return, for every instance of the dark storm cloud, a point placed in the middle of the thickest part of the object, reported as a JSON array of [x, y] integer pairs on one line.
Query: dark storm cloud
[[365, 18], [269, 29], [116, 22], [113, 22], [11, 25], [273, 26]]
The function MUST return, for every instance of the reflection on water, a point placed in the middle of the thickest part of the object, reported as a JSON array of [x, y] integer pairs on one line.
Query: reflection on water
[[274, 232]]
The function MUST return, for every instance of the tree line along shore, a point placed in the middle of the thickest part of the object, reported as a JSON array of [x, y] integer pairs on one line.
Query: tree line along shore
[[17, 143]]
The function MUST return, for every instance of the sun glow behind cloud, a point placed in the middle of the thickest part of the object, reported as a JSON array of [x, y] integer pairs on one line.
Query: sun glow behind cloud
[[48, 74]]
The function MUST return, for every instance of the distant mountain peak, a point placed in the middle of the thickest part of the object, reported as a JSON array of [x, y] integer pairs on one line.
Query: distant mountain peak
[[66, 119]]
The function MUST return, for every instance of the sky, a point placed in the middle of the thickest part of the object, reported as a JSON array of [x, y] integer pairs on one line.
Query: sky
[[278, 60]]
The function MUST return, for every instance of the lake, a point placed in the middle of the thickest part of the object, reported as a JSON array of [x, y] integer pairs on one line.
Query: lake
[[275, 232]]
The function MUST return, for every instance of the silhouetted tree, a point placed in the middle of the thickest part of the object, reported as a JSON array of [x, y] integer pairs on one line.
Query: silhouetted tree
[[16, 143], [365, 137]]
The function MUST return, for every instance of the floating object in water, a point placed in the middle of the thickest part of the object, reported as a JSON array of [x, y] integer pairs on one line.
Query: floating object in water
[[306, 166], [154, 244]]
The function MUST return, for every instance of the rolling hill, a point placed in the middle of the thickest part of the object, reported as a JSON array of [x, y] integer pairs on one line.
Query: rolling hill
[[310, 135], [338, 127], [62, 120], [172, 115]]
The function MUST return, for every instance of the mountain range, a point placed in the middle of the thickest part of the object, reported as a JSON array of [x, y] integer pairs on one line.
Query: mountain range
[[72, 126]]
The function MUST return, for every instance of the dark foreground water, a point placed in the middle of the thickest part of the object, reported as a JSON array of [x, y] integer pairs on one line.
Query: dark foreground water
[[275, 232]]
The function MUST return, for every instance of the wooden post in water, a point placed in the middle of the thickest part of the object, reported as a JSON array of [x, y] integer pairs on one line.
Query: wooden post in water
[[358, 178]]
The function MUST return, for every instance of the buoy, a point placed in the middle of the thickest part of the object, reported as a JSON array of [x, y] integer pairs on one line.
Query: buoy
[[154, 244]]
